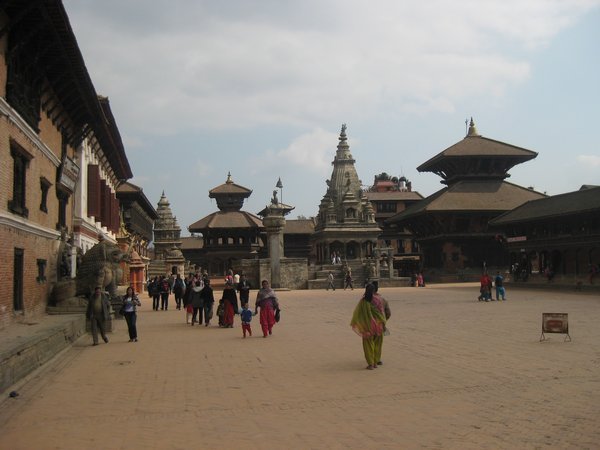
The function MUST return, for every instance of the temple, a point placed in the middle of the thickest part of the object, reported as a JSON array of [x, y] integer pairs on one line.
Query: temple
[[168, 258], [230, 234], [451, 225], [345, 225]]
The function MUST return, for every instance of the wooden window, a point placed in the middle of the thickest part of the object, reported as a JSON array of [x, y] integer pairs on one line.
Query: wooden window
[[115, 212], [104, 204], [45, 187], [93, 191], [20, 163], [18, 269], [41, 265], [386, 207], [63, 200]]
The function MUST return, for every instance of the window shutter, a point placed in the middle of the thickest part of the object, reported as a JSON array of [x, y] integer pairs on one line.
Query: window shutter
[[104, 203], [115, 213], [93, 191]]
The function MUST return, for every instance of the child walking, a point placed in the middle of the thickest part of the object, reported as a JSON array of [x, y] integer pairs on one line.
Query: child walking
[[246, 315], [221, 313]]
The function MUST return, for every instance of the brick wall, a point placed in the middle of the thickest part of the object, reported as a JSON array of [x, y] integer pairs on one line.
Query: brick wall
[[35, 293], [36, 234]]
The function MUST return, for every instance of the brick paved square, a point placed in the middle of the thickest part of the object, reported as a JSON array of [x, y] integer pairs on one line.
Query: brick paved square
[[457, 374]]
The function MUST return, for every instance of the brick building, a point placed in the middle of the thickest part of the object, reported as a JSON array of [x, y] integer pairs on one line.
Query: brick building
[[390, 196], [52, 126]]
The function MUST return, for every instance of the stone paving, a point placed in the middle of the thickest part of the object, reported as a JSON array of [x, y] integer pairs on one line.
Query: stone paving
[[457, 374]]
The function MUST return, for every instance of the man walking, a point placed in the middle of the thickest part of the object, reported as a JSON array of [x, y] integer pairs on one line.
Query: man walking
[[330, 281], [98, 312]]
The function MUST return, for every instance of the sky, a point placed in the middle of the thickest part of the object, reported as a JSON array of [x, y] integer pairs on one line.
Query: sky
[[261, 89]]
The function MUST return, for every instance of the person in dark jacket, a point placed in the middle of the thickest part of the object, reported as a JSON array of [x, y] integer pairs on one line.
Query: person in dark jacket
[[178, 290], [197, 301], [187, 297], [243, 288], [208, 301], [230, 304], [154, 291]]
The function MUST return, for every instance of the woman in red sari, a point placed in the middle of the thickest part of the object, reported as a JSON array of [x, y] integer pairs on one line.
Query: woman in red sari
[[230, 304], [266, 300]]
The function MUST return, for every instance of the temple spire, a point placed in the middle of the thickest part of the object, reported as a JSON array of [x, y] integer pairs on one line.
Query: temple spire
[[472, 129], [229, 180]]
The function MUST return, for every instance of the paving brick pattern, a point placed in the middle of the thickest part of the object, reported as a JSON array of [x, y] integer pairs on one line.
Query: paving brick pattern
[[457, 374]]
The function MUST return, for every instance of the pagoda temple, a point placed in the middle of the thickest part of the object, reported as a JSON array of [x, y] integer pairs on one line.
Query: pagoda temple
[[345, 225], [451, 225], [230, 234]]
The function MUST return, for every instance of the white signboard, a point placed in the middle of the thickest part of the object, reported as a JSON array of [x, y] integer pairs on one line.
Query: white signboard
[[69, 174]]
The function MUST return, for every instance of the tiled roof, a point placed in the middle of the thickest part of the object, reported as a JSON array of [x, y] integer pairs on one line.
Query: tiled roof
[[479, 146], [393, 195], [299, 226], [229, 188], [493, 195], [584, 200], [227, 219], [191, 242]]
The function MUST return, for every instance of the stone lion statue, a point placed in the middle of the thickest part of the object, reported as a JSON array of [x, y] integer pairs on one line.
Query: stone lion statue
[[100, 267]]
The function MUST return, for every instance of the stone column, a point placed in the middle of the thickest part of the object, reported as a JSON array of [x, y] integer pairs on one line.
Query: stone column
[[274, 223]]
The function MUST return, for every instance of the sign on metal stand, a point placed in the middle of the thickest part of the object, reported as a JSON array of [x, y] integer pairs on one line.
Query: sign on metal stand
[[555, 323]]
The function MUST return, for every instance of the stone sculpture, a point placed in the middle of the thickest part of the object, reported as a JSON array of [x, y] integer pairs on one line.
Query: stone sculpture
[[100, 267]]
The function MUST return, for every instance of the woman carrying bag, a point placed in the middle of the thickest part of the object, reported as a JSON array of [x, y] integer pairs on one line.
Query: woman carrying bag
[[130, 301]]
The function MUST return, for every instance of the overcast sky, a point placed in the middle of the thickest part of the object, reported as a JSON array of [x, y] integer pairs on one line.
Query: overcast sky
[[261, 88]]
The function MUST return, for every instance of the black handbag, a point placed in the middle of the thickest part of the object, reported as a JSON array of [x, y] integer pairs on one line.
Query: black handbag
[[277, 315]]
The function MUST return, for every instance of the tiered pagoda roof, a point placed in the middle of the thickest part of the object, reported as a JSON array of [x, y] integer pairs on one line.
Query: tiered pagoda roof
[[230, 200], [476, 157]]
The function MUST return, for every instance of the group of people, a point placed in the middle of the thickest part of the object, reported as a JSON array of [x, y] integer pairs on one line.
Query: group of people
[[336, 258], [417, 280], [159, 288], [348, 282], [368, 320], [196, 295], [485, 287]]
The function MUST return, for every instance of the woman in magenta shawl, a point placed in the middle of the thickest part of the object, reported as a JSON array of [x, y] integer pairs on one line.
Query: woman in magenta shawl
[[368, 321], [266, 300]]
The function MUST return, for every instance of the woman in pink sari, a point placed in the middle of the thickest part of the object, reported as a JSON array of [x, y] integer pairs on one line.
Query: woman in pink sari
[[266, 300]]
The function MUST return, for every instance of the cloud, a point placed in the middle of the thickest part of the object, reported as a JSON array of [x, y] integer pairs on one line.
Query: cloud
[[203, 65], [311, 151], [589, 161], [203, 168]]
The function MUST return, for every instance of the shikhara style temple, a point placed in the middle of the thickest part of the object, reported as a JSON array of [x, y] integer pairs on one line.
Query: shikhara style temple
[[168, 258], [346, 222], [451, 225]]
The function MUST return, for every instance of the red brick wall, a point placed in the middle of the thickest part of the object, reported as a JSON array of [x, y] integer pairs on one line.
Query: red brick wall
[[35, 294]]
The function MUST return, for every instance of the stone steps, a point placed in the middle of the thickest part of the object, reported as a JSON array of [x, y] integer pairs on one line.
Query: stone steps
[[25, 347]]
